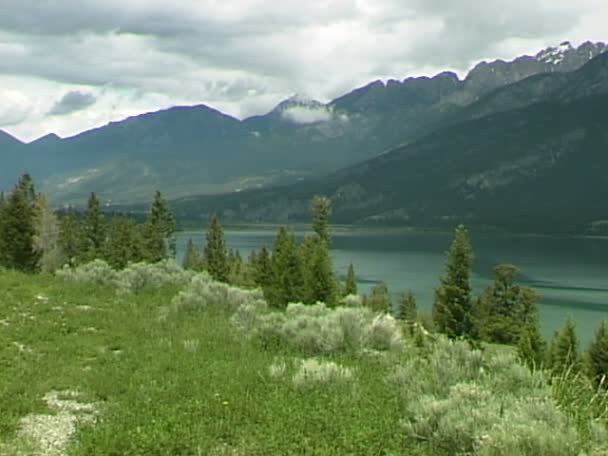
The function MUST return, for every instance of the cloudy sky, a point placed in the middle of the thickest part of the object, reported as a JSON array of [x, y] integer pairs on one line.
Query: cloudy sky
[[70, 65]]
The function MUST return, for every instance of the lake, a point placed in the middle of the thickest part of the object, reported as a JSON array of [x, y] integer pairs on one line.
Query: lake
[[571, 274]]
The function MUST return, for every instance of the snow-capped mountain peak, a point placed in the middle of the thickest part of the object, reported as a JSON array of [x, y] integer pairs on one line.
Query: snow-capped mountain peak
[[555, 55]]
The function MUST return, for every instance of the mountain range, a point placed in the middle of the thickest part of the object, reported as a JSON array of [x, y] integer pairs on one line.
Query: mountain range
[[416, 151]]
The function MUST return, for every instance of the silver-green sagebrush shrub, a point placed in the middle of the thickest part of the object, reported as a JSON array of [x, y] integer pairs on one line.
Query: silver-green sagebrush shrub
[[384, 334], [314, 372], [317, 329], [139, 276], [204, 293], [134, 278], [458, 400], [96, 272]]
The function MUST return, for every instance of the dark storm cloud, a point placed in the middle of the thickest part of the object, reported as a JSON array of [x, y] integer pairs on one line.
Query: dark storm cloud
[[72, 102]]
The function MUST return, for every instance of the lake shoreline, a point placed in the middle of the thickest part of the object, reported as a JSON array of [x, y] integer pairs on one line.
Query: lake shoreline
[[391, 229]]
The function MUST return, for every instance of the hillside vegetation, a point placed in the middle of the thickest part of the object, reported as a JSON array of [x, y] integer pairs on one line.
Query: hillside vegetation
[[153, 371]]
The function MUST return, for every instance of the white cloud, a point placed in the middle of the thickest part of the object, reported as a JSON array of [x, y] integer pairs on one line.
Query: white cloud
[[244, 56], [307, 114]]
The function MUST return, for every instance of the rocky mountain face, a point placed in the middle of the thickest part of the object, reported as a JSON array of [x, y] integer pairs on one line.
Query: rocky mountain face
[[540, 167], [194, 150]]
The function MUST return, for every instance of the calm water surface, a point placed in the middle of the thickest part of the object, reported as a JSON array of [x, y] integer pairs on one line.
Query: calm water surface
[[570, 274]]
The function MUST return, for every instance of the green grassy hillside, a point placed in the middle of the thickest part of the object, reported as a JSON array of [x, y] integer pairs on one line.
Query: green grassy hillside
[[103, 369]]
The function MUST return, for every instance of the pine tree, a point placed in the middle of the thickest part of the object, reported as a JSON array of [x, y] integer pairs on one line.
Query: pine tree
[[350, 287], [564, 353], [321, 284], [597, 356], [94, 230], [159, 230], [193, 259], [123, 244], [18, 228], [408, 309], [379, 299], [505, 308], [215, 252], [453, 309], [320, 208], [287, 284], [46, 239], [71, 238], [531, 346], [262, 274]]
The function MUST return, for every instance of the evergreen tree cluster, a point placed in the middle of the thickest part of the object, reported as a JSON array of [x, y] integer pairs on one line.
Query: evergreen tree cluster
[[507, 313], [33, 237], [288, 272]]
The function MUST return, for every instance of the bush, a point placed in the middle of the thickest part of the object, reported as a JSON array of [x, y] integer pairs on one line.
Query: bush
[[204, 293], [459, 400], [132, 279], [316, 329], [97, 272], [140, 276], [313, 372]]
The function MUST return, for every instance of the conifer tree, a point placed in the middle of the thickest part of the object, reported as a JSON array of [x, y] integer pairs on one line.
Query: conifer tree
[[18, 227], [123, 244], [159, 230], [193, 259], [350, 286], [321, 211], [321, 284], [531, 346], [453, 309], [46, 239], [262, 265], [215, 253], [94, 229], [505, 308], [71, 238], [408, 309], [287, 284], [597, 356], [564, 351], [379, 299]]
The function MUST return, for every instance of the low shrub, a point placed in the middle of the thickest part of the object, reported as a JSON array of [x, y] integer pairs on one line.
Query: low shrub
[[313, 372], [96, 272], [317, 329], [204, 293]]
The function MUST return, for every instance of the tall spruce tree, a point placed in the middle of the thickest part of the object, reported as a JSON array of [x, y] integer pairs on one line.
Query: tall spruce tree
[[287, 284], [350, 286], [597, 356], [94, 229], [18, 227], [564, 351], [453, 309], [215, 253], [193, 259], [321, 209], [123, 245], [321, 284], [71, 238], [159, 230], [506, 308], [408, 309], [379, 299], [262, 268], [46, 239]]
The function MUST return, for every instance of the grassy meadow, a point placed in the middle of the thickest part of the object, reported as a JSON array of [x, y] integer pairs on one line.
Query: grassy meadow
[[192, 367]]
